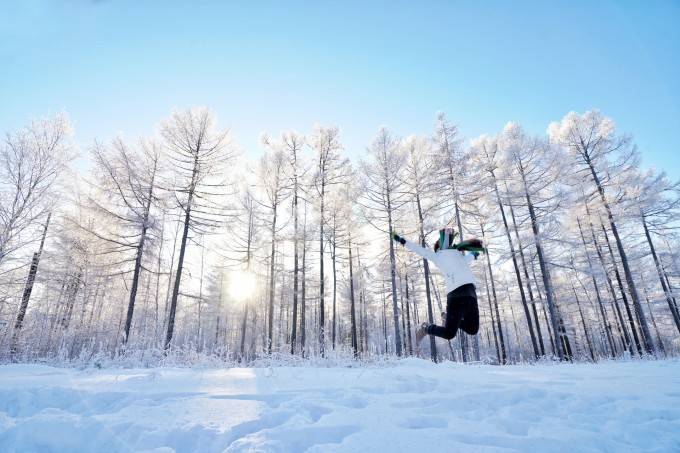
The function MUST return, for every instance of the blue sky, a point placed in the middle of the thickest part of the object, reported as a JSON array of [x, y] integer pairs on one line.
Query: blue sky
[[121, 66]]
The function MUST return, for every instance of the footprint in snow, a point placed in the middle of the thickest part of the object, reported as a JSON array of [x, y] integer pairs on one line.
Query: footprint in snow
[[424, 422]]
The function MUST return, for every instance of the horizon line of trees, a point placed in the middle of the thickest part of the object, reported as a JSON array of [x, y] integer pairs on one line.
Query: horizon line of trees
[[146, 250]]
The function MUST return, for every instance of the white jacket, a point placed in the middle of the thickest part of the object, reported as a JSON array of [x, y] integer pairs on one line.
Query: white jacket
[[451, 262]]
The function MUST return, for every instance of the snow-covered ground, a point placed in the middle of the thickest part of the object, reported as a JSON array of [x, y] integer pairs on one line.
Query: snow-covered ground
[[412, 405]]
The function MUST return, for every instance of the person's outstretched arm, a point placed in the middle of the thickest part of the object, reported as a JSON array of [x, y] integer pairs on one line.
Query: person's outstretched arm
[[415, 248]]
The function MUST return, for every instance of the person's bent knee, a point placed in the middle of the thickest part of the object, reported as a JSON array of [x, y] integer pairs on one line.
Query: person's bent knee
[[473, 330], [449, 334]]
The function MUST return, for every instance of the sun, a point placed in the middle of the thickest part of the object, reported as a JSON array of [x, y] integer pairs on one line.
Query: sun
[[242, 285]]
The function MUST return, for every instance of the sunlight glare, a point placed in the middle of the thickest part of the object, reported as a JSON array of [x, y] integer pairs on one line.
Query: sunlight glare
[[242, 285]]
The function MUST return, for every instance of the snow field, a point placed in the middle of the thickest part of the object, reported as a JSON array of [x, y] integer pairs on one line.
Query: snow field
[[411, 405]]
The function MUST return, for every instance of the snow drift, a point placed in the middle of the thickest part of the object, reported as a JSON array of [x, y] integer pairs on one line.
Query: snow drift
[[412, 405]]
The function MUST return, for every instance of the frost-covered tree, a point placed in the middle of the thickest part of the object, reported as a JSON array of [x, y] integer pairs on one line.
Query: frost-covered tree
[[383, 196], [422, 185], [533, 170], [31, 161], [591, 140], [199, 153], [325, 142], [487, 149], [658, 203], [275, 189], [128, 179]]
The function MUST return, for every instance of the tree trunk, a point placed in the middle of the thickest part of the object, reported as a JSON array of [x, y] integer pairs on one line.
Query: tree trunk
[[303, 294], [426, 271], [631, 319], [408, 318], [608, 332], [249, 242], [545, 315], [200, 296], [296, 269], [272, 282], [138, 259], [384, 318], [405, 346], [161, 241], [362, 305], [649, 346], [353, 316], [547, 323], [626, 337], [335, 290], [545, 272], [28, 288], [585, 327], [178, 276], [669, 297], [503, 356], [494, 324], [166, 309], [516, 267], [527, 279], [71, 293], [517, 339], [322, 308], [656, 328], [393, 279]]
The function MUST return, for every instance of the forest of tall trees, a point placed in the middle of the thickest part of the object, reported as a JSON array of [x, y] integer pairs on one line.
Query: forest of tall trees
[[176, 245]]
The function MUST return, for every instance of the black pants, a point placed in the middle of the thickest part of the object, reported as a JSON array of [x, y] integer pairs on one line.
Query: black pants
[[461, 312]]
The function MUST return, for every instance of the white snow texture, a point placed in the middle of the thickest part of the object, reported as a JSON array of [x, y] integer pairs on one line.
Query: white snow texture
[[412, 405]]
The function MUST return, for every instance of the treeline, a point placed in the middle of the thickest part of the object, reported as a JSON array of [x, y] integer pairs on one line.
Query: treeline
[[177, 244]]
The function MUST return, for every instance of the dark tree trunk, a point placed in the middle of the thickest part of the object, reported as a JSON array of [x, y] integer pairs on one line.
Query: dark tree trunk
[[166, 309], [393, 281], [272, 282], [603, 313], [71, 293], [28, 288], [296, 269], [545, 314], [362, 306], [182, 250], [627, 343], [503, 356], [303, 294], [585, 327], [631, 318], [178, 277], [408, 318], [649, 346], [547, 323], [527, 279], [662, 277], [138, 260], [516, 267], [384, 318], [545, 272], [335, 290], [493, 320], [353, 316], [405, 346], [426, 271], [322, 294], [662, 348]]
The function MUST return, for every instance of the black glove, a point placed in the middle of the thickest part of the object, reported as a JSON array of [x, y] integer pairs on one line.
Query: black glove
[[398, 238]]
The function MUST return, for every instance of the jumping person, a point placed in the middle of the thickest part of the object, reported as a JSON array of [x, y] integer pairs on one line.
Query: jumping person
[[461, 299]]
